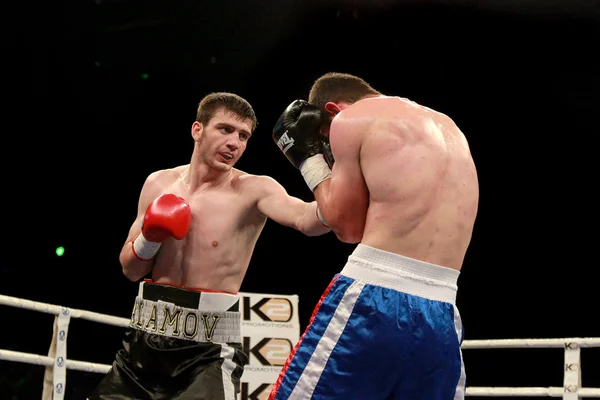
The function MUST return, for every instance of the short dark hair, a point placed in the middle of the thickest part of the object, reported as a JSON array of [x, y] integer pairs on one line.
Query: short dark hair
[[231, 102], [338, 87]]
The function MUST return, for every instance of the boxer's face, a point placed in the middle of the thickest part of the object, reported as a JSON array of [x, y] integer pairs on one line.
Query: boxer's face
[[223, 140]]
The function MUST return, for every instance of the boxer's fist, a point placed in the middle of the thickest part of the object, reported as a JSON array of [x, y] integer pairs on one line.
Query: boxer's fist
[[167, 216], [297, 132]]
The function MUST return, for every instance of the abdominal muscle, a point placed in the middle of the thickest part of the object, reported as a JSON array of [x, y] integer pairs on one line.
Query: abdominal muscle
[[216, 252], [202, 267]]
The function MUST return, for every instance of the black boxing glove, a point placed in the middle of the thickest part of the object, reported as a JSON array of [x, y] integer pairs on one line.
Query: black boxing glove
[[297, 134]]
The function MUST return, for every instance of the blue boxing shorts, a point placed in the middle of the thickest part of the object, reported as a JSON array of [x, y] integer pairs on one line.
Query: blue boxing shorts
[[387, 327]]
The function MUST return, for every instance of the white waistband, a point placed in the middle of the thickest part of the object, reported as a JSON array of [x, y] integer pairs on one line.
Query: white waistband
[[206, 300], [393, 271], [167, 319]]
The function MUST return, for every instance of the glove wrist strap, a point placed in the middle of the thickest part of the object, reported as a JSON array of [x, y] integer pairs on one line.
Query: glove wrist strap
[[315, 170], [143, 248]]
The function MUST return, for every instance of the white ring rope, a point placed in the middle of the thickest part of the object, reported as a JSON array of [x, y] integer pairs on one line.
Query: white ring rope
[[528, 392], [53, 309], [569, 344], [84, 366], [529, 343]]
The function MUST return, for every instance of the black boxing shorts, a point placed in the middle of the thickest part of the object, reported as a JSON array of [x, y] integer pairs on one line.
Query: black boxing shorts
[[180, 345]]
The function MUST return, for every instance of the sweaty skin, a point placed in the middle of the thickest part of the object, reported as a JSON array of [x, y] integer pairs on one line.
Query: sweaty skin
[[229, 210], [404, 181]]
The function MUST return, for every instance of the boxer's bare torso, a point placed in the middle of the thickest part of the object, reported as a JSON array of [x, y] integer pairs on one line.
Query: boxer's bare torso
[[422, 182], [225, 227]]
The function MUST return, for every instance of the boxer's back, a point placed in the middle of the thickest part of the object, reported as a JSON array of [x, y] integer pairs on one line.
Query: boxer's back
[[422, 181]]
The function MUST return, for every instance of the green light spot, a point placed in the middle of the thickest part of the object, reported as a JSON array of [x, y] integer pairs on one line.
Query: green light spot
[[60, 251]]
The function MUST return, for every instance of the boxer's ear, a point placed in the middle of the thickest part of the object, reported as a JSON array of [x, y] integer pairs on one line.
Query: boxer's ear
[[197, 129], [332, 108]]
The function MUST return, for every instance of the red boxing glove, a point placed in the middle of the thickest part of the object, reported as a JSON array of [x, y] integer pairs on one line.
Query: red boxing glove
[[167, 216]]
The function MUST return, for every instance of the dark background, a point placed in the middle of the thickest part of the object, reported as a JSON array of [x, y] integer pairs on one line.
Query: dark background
[[98, 94]]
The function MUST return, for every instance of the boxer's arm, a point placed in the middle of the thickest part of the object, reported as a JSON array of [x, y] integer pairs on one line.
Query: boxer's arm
[[278, 205], [133, 267], [344, 198]]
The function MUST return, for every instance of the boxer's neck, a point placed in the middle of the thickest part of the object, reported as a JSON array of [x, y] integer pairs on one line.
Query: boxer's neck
[[199, 175]]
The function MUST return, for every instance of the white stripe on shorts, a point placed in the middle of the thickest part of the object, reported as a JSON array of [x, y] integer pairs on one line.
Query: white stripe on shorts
[[460, 389], [314, 368], [227, 368]]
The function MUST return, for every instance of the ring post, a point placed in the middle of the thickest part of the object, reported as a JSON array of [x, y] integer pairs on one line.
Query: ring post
[[572, 378]]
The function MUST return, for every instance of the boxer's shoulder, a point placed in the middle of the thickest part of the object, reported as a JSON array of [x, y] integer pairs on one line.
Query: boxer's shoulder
[[167, 174], [250, 181], [258, 185], [363, 113], [370, 105], [164, 177]]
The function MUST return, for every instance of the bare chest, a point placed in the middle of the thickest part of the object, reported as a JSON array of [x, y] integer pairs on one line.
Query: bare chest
[[218, 215]]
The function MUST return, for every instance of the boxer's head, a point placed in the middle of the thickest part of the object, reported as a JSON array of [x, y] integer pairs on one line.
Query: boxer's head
[[335, 91], [224, 123], [229, 102]]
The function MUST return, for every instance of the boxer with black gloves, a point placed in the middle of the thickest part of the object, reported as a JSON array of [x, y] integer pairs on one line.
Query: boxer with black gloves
[[403, 188]]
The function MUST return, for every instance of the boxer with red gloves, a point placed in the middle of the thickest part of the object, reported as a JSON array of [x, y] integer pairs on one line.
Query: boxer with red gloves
[[167, 216], [192, 238]]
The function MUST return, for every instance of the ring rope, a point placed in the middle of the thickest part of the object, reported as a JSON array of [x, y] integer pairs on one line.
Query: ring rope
[[28, 358], [567, 343], [528, 392], [56, 310], [530, 343]]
